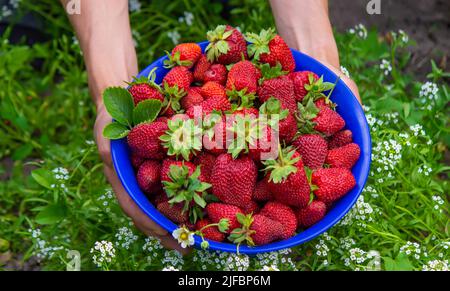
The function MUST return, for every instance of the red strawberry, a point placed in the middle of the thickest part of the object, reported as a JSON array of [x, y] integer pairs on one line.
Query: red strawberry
[[332, 183], [216, 103], [206, 161], [136, 160], [200, 68], [233, 181], [318, 116], [262, 192], [340, 139], [328, 121], [284, 215], [211, 233], [144, 141], [243, 75], [287, 181], [144, 91], [216, 73], [217, 211], [226, 45], [312, 214], [184, 54], [343, 157], [287, 125], [148, 176], [159, 197], [173, 212], [313, 148], [251, 208], [166, 168], [179, 77], [162, 119], [192, 98], [266, 230], [280, 88], [270, 48], [213, 89], [300, 79]]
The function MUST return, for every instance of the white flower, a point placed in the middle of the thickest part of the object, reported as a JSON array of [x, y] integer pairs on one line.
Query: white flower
[[174, 36], [125, 237], [188, 18], [386, 67], [345, 71], [359, 30], [184, 237], [170, 268], [134, 5], [404, 38], [103, 253], [270, 268], [436, 265]]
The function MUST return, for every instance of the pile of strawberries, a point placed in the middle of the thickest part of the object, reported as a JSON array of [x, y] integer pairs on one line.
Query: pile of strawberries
[[225, 93]]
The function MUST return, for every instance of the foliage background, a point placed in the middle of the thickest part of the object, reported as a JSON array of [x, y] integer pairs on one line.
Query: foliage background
[[54, 198]]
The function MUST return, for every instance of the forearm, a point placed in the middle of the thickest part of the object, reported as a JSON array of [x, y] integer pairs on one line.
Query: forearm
[[305, 25], [104, 32]]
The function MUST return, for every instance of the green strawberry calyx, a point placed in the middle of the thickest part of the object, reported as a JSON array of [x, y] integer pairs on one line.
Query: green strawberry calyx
[[259, 44], [172, 97], [316, 89], [305, 115], [183, 138], [174, 60], [282, 167], [268, 72], [150, 80], [241, 99], [185, 188], [243, 233], [271, 108], [218, 44]]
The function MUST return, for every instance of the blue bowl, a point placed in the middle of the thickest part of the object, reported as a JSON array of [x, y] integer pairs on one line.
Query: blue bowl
[[348, 107]]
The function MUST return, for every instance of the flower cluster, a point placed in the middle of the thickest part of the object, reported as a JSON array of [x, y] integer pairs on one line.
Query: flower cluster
[[7, 10], [43, 250], [424, 169], [188, 18], [103, 253], [359, 30], [235, 262], [125, 237], [385, 156], [174, 36], [274, 261], [172, 260], [439, 202], [61, 176], [412, 249], [221, 261], [106, 199], [429, 93], [386, 67], [360, 214], [153, 247], [436, 265]]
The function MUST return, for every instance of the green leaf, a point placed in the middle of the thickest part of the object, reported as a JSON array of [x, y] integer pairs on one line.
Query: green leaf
[[199, 200], [22, 152], [146, 111], [43, 177], [115, 130], [51, 214], [119, 104]]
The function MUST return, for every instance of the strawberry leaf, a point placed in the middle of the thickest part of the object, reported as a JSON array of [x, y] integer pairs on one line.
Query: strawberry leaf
[[115, 130], [119, 104], [146, 111]]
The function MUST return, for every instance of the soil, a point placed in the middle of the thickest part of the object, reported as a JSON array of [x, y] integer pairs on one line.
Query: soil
[[426, 22]]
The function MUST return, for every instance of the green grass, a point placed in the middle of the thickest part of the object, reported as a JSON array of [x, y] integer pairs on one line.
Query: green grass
[[46, 120]]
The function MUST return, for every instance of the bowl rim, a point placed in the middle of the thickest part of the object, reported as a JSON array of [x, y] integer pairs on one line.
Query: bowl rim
[[312, 232]]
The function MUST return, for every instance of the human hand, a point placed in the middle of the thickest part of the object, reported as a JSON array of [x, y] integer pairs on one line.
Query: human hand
[[139, 218]]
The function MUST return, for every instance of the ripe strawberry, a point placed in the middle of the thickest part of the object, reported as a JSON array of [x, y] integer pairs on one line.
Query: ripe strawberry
[[216, 103], [266, 230], [149, 176], [318, 116], [162, 119], [179, 77], [270, 48], [159, 197], [226, 45], [251, 208], [300, 79], [217, 211], [165, 168], [216, 73], [211, 233], [262, 192], [144, 91], [312, 214], [280, 88], [213, 89], [144, 141], [340, 139], [343, 157], [313, 148], [192, 98], [200, 68], [284, 215], [332, 183], [243, 76], [233, 181], [184, 54], [287, 178], [173, 212], [328, 121], [136, 160], [287, 125], [206, 161]]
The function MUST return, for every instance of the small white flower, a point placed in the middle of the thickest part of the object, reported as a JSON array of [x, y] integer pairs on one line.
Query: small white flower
[[386, 67], [270, 268], [184, 237], [170, 268], [174, 36]]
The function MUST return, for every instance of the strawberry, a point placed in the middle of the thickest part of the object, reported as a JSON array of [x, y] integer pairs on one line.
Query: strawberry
[[287, 178], [340, 139], [211, 233], [318, 116], [280, 87], [192, 98], [213, 89], [256, 230], [233, 181], [215, 138], [217, 211], [179, 77], [284, 215], [184, 54], [343, 157], [251, 208], [144, 141], [332, 183], [243, 76], [262, 192], [148, 176], [287, 126], [313, 148], [159, 197], [216, 73], [173, 212], [270, 48], [328, 121], [206, 161], [300, 79], [216, 103], [136, 160], [226, 45], [167, 163], [312, 214], [200, 68], [143, 91]]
